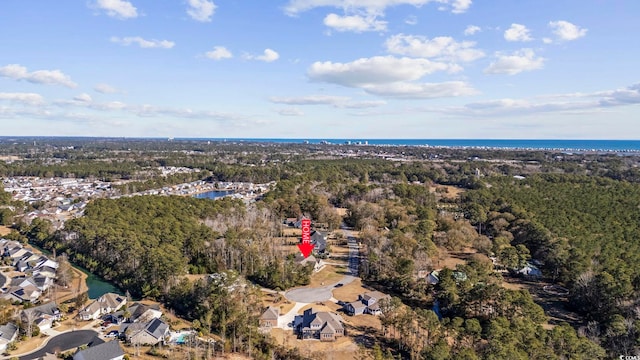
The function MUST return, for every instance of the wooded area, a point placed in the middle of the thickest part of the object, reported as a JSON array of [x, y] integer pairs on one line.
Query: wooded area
[[576, 216]]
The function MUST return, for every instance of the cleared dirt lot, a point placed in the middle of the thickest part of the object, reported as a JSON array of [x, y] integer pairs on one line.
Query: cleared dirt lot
[[4, 230], [342, 349]]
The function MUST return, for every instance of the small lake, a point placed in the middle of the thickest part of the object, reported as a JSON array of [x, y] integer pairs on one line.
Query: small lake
[[213, 194], [97, 286]]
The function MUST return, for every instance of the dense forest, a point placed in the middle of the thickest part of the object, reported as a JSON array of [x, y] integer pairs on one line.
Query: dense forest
[[585, 231]]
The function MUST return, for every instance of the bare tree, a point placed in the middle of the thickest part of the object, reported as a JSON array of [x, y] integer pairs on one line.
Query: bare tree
[[28, 318], [63, 273]]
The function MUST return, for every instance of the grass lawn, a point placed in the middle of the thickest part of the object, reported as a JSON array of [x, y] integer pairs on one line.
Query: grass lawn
[[344, 348], [328, 275], [349, 292]]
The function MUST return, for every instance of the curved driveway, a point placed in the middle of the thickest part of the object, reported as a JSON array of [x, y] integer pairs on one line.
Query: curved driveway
[[324, 293], [62, 342]]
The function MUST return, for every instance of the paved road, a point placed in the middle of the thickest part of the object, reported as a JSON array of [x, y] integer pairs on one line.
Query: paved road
[[324, 293], [62, 342]]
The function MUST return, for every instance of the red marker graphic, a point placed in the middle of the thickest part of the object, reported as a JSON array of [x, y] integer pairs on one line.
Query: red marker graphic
[[305, 246]]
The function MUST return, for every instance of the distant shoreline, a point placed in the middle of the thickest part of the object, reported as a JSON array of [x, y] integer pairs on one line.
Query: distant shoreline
[[563, 145]]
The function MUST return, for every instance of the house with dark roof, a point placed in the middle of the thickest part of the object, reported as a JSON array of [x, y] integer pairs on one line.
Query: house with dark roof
[[367, 303], [143, 313], [323, 326], [106, 351], [319, 240], [150, 333]]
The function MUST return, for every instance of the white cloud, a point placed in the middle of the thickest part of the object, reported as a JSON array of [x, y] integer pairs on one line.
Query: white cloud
[[442, 48], [566, 31], [559, 103], [409, 90], [460, 6], [515, 63], [411, 20], [342, 102], [375, 70], [50, 77], [143, 43], [389, 76], [361, 104], [109, 106], [267, 56], [290, 112], [309, 100], [471, 30], [25, 98], [85, 98], [105, 89], [355, 23], [201, 10], [627, 96], [219, 53], [120, 9], [295, 7], [547, 40], [517, 32]]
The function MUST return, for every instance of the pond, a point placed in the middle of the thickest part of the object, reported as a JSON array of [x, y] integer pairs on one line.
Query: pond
[[97, 286], [212, 194]]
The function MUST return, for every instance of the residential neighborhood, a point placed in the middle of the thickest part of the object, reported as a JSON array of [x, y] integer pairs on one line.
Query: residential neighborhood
[[61, 199], [26, 275]]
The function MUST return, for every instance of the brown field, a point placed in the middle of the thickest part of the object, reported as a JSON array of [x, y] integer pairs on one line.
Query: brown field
[[342, 211], [350, 291], [343, 349], [453, 258], [4, 230], [291, 232], [195, 277], [452, 191], [329, 274], [277, 300]]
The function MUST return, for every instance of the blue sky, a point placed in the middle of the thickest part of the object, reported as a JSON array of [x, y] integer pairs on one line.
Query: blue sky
[[321, 68]]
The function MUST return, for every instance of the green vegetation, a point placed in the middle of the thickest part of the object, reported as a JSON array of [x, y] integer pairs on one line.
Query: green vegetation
[[575, 214], [144, 244], [585, 231]]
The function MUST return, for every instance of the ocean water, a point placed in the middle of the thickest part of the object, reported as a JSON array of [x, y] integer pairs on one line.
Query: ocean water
[[576, 145]]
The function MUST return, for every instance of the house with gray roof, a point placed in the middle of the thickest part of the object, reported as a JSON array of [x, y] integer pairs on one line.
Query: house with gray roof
[[150, 333], [324, 326], [8, 334], [44, 315], [106, 351], [105, 304], [367, 303], [319, 240]]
